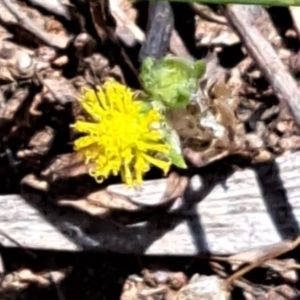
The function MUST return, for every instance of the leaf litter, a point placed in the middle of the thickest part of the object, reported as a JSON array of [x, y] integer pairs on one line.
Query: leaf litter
[[49, 53]]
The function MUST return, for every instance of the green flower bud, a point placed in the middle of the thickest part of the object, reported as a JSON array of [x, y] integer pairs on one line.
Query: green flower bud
[[171, 80]]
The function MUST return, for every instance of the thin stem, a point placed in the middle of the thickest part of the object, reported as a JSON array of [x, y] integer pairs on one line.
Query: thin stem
[[245, 2]]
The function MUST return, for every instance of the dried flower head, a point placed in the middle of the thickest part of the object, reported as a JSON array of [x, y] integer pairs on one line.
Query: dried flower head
[[121, 137]]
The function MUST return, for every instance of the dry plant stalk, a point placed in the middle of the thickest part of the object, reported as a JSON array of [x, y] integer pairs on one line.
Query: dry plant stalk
[[285, 87], [269, 254]]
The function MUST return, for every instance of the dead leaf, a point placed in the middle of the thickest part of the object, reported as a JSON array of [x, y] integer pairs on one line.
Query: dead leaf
[[176, 186], [21, 279], [125, 17], [263, 155], [39, 144], [203, 288], [100, 203], [65, 166], [290, 143], [213, 32], [13, 105], [60, 61], [131, 289], [85, 206], [254, 141], [60, 89], [111, 200], [34, 182], [199, 159], [154, 278], [152, 192], [281, 292]]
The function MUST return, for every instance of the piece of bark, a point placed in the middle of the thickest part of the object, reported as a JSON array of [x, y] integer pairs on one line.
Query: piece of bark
[[55, 6], [17, 17], [39, 144], [254, 208], [285, 87], [126, 30], [65, 165], [159, 30], [21, 279], [203, 288], [9, 110]]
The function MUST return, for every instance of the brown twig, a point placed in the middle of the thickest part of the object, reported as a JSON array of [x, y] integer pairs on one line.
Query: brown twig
[[285, 87], [275, 251], [207, 14], [30, 26], [244, 285], [54, 6]]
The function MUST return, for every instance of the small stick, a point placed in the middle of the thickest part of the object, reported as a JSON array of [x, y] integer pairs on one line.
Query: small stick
[[54, 6], [277, 250], [27, 251], [206, 14], [284, 86]]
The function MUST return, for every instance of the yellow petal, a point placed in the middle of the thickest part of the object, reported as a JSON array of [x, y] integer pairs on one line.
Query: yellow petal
[[165, 166], [83, 142]]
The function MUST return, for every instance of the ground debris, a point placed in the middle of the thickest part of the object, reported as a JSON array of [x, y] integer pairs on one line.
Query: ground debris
[[245, 112], [15, 282]]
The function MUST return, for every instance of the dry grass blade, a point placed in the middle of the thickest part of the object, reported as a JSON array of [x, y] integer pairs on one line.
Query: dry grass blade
[[271, 253]]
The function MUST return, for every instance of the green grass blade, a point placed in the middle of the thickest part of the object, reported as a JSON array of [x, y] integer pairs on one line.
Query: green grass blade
[[245, 2]]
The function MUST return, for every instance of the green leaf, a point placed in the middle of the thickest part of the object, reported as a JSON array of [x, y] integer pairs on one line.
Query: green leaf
[[177, 159], [183, 98], [175, 153], [145, 107], [181, 63], [199, 69]]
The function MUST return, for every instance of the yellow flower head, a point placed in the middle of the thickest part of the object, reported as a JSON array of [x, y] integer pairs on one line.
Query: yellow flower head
[[119, 136]]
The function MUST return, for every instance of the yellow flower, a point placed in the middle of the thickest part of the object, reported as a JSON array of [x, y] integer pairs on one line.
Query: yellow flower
[[120, 138]]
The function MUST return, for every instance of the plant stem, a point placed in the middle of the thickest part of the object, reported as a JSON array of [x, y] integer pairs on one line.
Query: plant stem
[[244, 2]]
